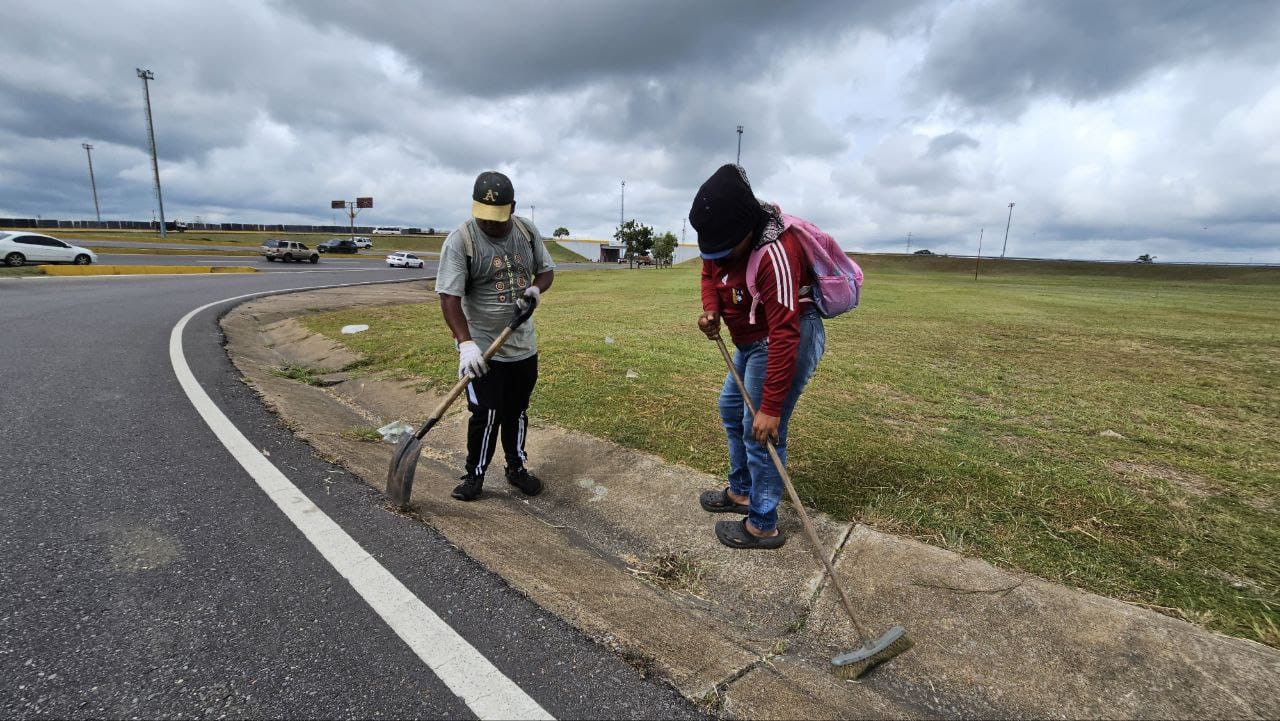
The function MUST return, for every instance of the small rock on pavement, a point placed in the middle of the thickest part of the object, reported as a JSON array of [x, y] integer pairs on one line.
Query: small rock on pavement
[[392, 431]]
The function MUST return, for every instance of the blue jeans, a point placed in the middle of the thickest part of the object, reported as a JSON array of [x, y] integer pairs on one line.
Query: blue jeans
[[751, 471]]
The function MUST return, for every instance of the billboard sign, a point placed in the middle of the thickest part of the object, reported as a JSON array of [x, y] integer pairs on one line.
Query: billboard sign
[[364, 202], [339, 204]]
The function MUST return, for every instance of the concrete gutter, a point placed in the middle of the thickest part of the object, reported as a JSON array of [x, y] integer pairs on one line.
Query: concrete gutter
[[749, 634]]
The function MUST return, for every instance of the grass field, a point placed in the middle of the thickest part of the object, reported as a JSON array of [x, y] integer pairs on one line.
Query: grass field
[[7, 272], [1112, 427], [175, 251]]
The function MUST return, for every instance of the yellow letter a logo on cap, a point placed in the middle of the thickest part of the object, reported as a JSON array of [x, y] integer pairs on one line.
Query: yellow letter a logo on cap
[[489, 196]]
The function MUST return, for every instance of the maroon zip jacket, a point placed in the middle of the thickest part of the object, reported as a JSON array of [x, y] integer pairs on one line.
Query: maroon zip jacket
[[782, 275]]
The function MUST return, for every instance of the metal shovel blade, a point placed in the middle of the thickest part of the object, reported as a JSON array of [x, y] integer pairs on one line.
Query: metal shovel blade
[[400, 476]]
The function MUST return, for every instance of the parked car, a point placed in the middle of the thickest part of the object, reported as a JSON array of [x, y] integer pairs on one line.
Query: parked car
[[362, 242], [338, 245], [640, 260], [386, 230], [287, 250], [401, 259], [923, 251], [20, 248]]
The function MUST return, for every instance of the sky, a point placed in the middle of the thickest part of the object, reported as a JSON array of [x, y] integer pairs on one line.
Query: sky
[[1116, 128]]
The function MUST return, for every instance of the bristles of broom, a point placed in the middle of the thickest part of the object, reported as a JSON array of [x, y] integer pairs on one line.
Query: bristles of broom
[[850, 666]]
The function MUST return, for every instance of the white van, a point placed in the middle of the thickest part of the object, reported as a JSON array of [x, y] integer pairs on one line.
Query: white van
[[386, 230]]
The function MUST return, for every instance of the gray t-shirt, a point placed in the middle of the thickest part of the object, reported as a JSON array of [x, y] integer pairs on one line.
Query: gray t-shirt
[[490, 284]]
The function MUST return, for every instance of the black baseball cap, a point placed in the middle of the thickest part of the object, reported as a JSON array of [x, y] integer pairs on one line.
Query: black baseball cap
[[493, 197]]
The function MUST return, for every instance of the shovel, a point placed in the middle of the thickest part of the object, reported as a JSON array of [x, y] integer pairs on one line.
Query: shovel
[[405, 459]]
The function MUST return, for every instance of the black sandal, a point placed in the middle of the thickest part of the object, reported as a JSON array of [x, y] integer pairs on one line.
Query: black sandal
[[734, 534], [720, 502]]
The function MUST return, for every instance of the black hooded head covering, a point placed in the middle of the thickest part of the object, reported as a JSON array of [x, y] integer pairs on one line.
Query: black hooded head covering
[[724, 211]]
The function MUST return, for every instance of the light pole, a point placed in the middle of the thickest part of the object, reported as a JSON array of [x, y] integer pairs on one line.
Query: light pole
[[978, 261], [146, 76], [1006, 231], [908, 243], [533, 213], [739, 145], [92, 183], [622, 204]]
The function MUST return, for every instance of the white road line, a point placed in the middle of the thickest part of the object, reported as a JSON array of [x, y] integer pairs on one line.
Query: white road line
[[485, 690]]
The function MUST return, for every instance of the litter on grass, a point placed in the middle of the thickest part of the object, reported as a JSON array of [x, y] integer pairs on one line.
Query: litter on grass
[[353, 329], [632, 374], [392, 431], [608, 340]]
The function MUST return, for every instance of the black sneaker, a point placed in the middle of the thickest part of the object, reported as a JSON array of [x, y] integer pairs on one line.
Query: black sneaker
[[522, 479], [469, 489]]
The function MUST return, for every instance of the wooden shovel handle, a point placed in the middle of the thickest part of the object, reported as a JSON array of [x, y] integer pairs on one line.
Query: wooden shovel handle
[[461, 385]]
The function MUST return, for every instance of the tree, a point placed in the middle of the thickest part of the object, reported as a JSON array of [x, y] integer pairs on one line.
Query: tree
[[637, 237], [1146, 258], [561, 232], [664, 247]]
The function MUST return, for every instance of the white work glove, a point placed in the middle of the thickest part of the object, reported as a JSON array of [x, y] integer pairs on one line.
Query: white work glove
[[533, 292], [471, 360]]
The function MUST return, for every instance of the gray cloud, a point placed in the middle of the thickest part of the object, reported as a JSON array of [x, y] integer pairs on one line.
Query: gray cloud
[[1118, 129], [954, 140], [488, 50], [998, 57]]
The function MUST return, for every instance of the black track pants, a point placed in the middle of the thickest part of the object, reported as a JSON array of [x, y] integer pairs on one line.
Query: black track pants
[[498, 401]]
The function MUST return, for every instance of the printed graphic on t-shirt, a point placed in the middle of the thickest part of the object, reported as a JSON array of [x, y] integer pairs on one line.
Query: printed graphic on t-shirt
[[508, 274]]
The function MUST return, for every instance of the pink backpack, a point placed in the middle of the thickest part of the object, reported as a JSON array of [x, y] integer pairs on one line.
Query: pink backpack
[[837, 280]]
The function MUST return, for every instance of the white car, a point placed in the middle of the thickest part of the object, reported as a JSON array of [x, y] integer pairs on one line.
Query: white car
[[386, 230], [362, 242], [19, 248], [400, 259]]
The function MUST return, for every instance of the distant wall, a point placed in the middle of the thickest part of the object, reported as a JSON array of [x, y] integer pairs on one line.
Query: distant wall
[[591, 249], [52, 224]]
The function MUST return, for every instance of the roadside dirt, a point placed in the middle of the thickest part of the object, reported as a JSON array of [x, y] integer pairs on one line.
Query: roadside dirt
[[618, 546]]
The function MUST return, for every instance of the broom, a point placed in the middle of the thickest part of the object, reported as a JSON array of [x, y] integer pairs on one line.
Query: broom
[[851, 664]]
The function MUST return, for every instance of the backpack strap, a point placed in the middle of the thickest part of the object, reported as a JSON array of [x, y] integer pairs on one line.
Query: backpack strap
[[753, 269], [468, 245], [526, 228]]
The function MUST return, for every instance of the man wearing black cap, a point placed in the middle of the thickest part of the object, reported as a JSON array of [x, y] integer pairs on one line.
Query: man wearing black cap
[[486, 265], [778, 335]]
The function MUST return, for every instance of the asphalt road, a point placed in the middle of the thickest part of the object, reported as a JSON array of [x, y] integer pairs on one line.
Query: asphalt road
[[145, 574], [327, 262]]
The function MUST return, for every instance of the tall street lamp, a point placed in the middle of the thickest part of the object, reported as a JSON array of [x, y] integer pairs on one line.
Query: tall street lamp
[[739, 145], [1006, 231], [146, 76], [92, 183]]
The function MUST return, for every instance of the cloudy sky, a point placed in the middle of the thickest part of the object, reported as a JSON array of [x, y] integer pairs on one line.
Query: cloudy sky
[[1117, 128]]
